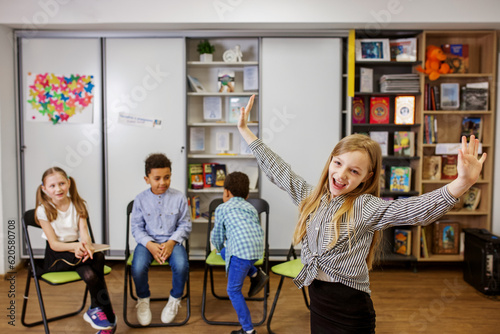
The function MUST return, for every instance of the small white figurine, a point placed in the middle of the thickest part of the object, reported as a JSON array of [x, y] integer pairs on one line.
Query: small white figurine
[[233, 55]]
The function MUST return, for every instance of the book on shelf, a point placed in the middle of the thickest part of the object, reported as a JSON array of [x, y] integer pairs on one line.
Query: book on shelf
[[379, 110], [225, 81], [358, 110], [382, 138], [400, 179], [472, 126], [449, 163], [212, 108], [366, 80], [195, 85], [424, 243], [234, 105], [403, 49], [195, 176], [404, 143], [431, 167], [402, 241], [472, 197], [404, 110], [250, 78], [435, 98], [446, 237], [382, 178], [397, 83], [430, 129], [195, 207], [222, 141], [207, 175], [476, 96], [196, 139], [218, 175], [449, 96], [457, 56]]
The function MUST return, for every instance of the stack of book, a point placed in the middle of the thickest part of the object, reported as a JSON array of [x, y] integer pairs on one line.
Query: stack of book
[[395, 83]]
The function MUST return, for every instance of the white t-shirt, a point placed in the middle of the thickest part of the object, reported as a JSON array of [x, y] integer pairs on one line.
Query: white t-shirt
[[65, 225]]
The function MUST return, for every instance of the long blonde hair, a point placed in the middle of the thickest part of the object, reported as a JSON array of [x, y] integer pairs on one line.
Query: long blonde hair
[[309, 206], [44, 199]]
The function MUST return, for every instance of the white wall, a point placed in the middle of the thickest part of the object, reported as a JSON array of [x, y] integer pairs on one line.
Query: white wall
[[133, 15]]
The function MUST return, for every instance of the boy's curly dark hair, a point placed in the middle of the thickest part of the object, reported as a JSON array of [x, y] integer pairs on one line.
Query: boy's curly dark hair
[[238, 184], [157, 160]]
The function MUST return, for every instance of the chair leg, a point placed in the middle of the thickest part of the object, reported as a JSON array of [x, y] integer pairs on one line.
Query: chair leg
[[273, 308]]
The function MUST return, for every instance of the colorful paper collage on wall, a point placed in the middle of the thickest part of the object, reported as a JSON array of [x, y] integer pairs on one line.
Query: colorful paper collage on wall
[[60, 98]]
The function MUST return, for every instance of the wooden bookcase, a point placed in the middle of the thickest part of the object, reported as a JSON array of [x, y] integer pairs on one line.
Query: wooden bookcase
[[482, 68]]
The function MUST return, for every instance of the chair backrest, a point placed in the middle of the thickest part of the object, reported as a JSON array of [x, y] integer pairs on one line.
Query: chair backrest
[[262, 207]]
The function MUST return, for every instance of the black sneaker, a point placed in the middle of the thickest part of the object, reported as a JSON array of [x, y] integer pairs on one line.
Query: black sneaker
[[241, 331], [257, 283]]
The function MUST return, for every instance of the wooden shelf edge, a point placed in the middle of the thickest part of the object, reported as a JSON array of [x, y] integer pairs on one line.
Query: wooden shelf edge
[[442, 258]]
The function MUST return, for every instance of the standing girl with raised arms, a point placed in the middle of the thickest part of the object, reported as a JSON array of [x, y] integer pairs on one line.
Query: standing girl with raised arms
[[340, 220], [63, 220]]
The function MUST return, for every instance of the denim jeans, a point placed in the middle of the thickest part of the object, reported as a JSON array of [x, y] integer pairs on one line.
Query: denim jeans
[[178, 260], [238, 270]]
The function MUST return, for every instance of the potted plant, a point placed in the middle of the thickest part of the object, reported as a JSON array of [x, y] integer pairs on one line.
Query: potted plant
[[206, 50]]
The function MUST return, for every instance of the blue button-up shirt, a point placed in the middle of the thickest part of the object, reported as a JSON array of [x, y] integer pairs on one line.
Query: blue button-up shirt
[[238, 222], [160, 218]]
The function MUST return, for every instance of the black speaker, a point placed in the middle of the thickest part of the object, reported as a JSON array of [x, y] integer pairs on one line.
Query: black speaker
[[482, 260]]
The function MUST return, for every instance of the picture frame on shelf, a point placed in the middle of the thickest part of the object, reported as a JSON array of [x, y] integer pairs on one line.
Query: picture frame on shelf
[[373, 49], [197, 139], [234, 105], [403, 49], [212, 108], [196, 85], [222, 140]]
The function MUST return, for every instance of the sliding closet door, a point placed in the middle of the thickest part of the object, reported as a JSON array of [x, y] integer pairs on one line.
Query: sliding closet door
[[144, 83], [61, 121], [301, 116]]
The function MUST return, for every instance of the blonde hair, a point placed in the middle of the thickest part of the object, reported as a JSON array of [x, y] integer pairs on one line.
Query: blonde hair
[[43, 199], [309, 206]]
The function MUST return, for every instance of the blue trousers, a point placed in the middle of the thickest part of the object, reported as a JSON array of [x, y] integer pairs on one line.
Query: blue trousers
[[238, 270], [178, 261]]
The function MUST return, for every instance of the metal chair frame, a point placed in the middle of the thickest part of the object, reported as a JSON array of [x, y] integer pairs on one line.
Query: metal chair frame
[[129, 290], [262, 207]]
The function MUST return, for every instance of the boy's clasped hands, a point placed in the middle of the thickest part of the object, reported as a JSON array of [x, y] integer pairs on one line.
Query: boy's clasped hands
[[161, 252]]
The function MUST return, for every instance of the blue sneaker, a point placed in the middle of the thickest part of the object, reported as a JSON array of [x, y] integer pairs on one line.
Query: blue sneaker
[[97, 319], [107, 331]]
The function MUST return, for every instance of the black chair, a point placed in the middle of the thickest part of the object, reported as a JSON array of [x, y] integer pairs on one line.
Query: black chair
[[52, 278], [289, 269], [215, 260], [129, 289]]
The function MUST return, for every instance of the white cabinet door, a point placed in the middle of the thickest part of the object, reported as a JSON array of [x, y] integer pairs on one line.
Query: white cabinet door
[[301, 116], [144, 81], [73, 144]]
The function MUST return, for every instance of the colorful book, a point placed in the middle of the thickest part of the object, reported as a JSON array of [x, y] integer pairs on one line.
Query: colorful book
[[195, 207], [195, 177], [382, 138], [404, 110], [472, 126], [431, 167], [379, 110], [457, 56], [225, 81], [207, 175], [400, 178], [449, 171], [218, 175], [446, 237], [402, 241], [404, 143], [358, 110]]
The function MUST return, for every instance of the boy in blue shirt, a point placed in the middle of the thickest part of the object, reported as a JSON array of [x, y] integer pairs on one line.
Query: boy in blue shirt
[[160, 222], [237, 222]]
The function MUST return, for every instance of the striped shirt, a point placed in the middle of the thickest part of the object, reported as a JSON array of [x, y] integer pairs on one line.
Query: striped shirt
[[238, 222], [345, 262]]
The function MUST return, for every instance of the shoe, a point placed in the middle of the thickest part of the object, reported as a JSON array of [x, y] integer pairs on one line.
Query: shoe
[[257, 283], [107, 331], [170, 310], [97, 318], [242, 331], [143, 311]]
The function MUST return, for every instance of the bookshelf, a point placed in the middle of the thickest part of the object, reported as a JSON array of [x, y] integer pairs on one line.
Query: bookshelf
[[234, 158], [482, 47]]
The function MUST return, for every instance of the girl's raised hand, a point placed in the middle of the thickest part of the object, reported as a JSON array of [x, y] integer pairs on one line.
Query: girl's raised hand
[[243, 121]]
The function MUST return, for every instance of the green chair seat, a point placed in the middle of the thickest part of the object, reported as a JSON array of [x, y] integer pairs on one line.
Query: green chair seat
[[288, 269], [154, 263], [215, 259], [62, 277]]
